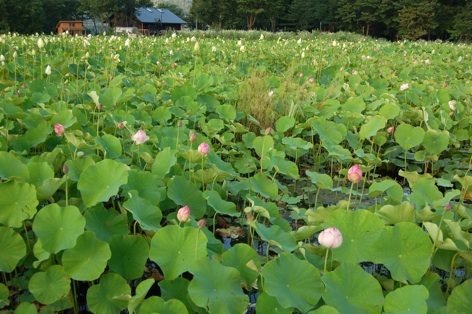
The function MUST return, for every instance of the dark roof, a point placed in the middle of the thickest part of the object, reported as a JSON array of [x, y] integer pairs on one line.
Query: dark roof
[[154, 15]]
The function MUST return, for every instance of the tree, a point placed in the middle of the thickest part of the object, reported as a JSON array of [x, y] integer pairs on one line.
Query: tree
[[251, 9], [462, 27], [417, 20]]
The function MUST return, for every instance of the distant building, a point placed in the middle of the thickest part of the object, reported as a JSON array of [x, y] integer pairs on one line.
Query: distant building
[[155, 20], [71, 27]]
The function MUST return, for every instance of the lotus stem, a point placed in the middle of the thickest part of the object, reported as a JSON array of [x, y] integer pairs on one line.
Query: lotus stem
[[326, 261], [451, 274], [349, 199]]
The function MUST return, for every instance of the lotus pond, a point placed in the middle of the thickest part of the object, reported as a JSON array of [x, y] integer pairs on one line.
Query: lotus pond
[[194, 172]]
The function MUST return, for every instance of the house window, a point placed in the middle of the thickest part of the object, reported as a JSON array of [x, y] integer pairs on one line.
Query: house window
[[71, 24]]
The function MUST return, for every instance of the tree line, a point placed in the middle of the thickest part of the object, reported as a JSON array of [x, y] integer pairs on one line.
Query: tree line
[[403, 19]]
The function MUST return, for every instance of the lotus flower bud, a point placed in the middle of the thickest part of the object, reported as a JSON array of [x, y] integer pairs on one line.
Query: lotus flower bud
[[193, 137], [354, 174], [204, 148], [183, 215], [121, 125], [202, 223], [40, 43], [391, 129], [140, 137], [59, 129], [330, 238]]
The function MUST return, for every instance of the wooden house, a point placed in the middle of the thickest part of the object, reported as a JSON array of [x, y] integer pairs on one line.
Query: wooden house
[[155, 20], [71, 27]]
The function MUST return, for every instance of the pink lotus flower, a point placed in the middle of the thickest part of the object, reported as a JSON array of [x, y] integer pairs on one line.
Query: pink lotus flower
[[183, 215], [391, 129], [193, 137], [59, 129], [204, 148], [330, 238], [354, 174], [140, 137], [121, 125]]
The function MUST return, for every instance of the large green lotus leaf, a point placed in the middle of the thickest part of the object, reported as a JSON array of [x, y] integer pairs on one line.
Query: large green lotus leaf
[[12, 167], [360, 229], [88, 259], [350, 289], [26, 308], [108, 296], [42, 176], [17, 203], [176, 249], [58, 227], [110, 144], [407, 299], [389, 111], [245, 260], [390, 187], [220, 205], [50, 286], [373, 125], [144, 212], [178, 289], [12, 249], [184, 193], [424, 192], [436, 299], [4, 296], [148, 185], [408, 136], [141, 292], [325, 309], [39, 253], [459, 301], [294, 282], [102, 180], [435, 141], [128, 255], [109, 96], [284, 124], [296, 146], [217, 288], [329, 131], [277, 236], [32, 137], [261, 184], [220, 165], [157, 305], [262, 145], [285, 166], [409, 251], [77, 167], [65, 117], [268, 304], [227, 112], [391, 214], [354, 104], [322, 181], [105, 223], [165, 159]]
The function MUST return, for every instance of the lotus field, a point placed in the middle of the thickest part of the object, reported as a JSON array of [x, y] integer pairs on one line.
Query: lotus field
[[230, 172]]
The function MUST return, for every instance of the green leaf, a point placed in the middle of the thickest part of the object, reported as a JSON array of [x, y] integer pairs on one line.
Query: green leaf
[[459, 301], [107, 296], [4, 296], [408, 136], [261, 184], [88, 259], [12, 167], [58, 227], [268, 304], [219, 205], [329, 131], [373, 125], [165, 159], [322, 181], [409, 251], [26, 308], [245, 260], [391, 214], [102, 180], [178, 289], [360, 229], [183, 192], [407, 299], [227, 112], [354, 104], [157, 305], [144, 212], [424, 192], [350, 289], [436, 299], [141, 292], [284, 124], [217, 288], [12, 249], [109, 96], [18, 203], [110, 144], [105, 223], [275, 235], [128, 256], [390, 187], [175, 249], [50, 286], [435, 141], [263, 144], [148, 185], [285, 166], [294, 282]]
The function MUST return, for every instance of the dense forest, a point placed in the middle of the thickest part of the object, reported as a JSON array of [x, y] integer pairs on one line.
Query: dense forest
[[404, 19]]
